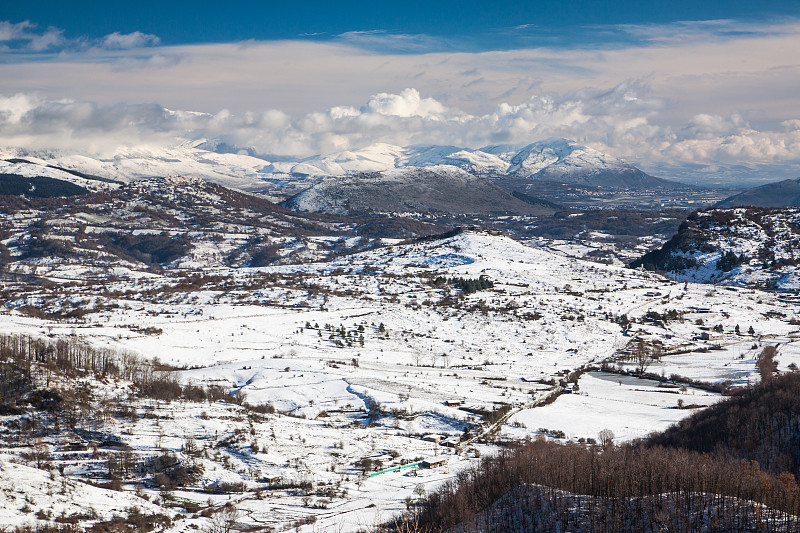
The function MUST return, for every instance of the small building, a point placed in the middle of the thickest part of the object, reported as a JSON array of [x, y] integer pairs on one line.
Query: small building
[[382, 459], [454, 403], [433, 438], [76, 446], [709, 336], [451, 442], [434, 462]]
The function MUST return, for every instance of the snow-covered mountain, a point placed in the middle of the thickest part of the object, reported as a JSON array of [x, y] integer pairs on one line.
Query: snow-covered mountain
[[441, 188], [565, 161], [23, 168], [127, 164], [557, 160]]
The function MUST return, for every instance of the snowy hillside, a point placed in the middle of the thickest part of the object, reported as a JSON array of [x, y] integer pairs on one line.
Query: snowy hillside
[[754, 247], [40, 169], [359, 365], [231, 170], [151, 224], [330, 392], [442, 189]]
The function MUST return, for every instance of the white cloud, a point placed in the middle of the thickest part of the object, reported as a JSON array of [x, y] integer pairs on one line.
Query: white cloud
[[618, 121], [15, 31], [695, 95], [25, 36], [408, 103], [121, 41], [384, 42], [50, 39]]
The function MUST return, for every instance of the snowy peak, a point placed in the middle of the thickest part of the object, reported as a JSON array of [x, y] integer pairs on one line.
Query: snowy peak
[[553, 159], [381, 157], [562, 154], [565, 161]]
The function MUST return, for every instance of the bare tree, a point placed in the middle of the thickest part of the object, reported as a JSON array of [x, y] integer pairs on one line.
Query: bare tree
[[606, 437], [641, 356], [446, 359], [41, 453], [224, 520], [766, 364]]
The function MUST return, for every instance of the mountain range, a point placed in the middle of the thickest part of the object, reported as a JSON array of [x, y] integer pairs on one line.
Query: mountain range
[[553, 159], [558, 160]]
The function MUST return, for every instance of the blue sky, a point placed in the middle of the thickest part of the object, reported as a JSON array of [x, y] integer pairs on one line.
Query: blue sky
[[704, 91], [461, 24]]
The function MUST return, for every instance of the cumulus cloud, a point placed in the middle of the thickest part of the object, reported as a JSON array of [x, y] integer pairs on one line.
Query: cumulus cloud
[[682, 96], [618, 120], [408, 103], [122, 41]]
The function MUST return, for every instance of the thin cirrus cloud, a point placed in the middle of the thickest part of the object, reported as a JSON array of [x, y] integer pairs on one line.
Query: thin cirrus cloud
[[19, 40], [693, 100], [26, 36]]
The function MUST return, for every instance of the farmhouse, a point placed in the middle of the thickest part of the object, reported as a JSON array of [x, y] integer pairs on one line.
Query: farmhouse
[[434, 462]]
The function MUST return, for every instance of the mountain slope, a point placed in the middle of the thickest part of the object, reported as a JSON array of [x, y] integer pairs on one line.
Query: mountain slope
[[727, 468], [565, 161], [23, 176], [736, 246], [128, 164], [784, 193], [175, 222], [441, 189]]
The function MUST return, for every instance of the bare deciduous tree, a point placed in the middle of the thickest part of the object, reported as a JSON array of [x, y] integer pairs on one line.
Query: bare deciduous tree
[[606, 437], [224, 520], [767, 365]]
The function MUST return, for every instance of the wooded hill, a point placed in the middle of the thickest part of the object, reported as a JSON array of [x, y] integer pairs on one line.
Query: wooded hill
[[729, 468]]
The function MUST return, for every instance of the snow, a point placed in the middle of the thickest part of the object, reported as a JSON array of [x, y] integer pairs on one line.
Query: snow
[[629, 407], [34, 169], [275, 343], [562, 157], [239, 170]]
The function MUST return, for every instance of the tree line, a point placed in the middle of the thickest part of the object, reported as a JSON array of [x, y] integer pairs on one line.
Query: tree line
[[730, 467]]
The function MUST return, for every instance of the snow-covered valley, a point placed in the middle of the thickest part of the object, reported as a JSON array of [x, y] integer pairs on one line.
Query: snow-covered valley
[[336, 370]]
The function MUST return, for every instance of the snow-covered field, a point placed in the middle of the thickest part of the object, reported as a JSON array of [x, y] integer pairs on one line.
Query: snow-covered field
[[371, 354]]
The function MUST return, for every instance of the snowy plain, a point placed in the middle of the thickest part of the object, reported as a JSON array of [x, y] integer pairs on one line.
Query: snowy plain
[[367, 355]]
